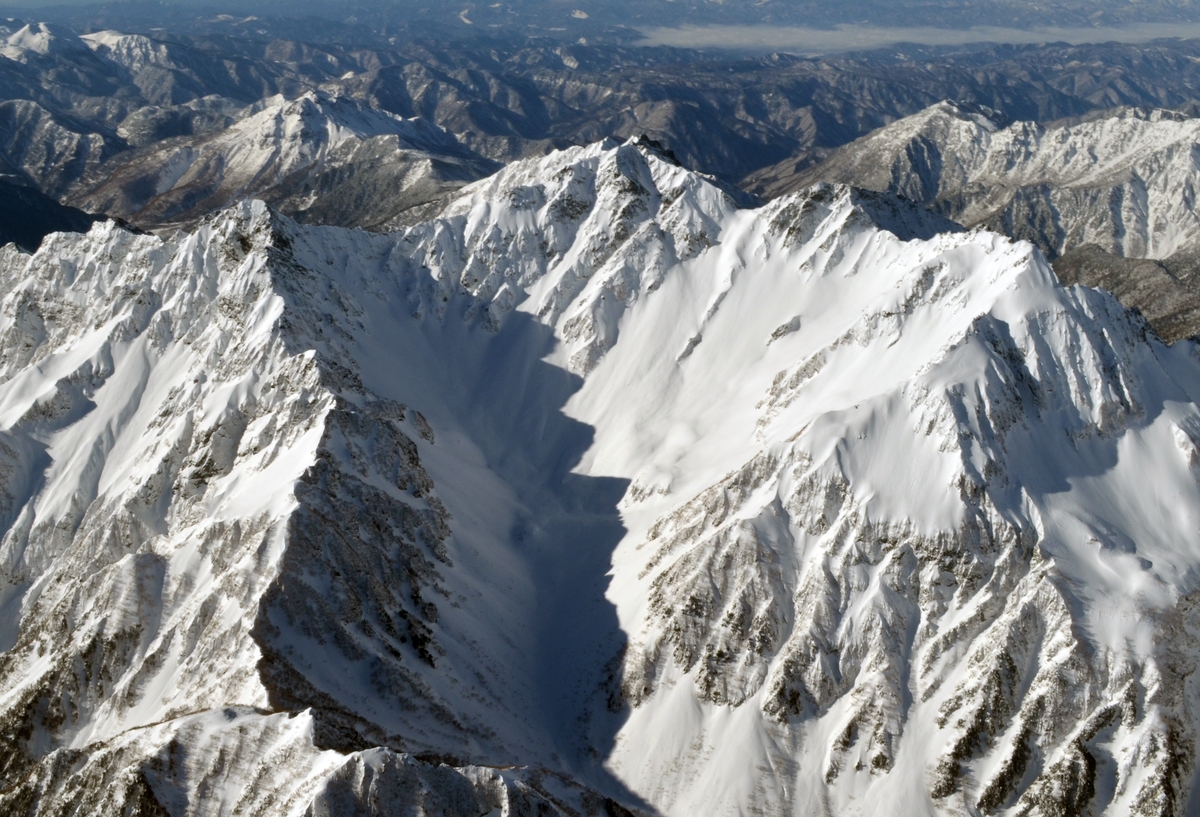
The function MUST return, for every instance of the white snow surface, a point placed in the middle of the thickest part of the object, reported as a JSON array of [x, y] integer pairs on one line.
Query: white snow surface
[[132, 52], [708, 509], [315, 121], [358, 166]]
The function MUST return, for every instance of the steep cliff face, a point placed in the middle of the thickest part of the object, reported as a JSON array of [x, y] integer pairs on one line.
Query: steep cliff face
[[604, 490]]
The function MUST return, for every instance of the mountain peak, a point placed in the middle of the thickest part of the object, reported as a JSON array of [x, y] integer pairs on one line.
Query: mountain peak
[[301, 154], [38, 40]]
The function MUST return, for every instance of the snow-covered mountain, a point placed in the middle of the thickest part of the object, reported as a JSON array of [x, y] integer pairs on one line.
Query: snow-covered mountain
[[671, 502], [190, 75], [26, 42], [1124, 180], [160, 133], [322, 159]]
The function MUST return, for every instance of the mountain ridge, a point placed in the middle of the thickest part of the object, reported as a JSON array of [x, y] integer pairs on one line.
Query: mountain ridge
[[509, 98], [1119, 181], [1087, 191]]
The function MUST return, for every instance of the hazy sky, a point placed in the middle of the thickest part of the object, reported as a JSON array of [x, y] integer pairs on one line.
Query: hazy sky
[[808, 27], [812, 41]]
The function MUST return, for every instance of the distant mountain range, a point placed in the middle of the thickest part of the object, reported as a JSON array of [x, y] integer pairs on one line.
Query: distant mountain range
[[73, 103], [363, 22]]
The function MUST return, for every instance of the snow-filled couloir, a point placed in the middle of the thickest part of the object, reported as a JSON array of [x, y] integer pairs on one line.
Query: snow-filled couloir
[[603, 490]]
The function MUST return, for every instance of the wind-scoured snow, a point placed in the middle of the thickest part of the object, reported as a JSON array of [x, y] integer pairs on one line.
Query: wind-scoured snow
[[673, 502]]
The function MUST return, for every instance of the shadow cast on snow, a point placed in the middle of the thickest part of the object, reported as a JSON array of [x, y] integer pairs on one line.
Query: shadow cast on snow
[[568, 530], [493, 387]]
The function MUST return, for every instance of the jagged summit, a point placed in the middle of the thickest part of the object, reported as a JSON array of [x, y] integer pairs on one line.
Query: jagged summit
[[672, 503]]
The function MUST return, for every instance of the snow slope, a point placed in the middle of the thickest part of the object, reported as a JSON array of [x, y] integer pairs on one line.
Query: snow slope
[[1124, 180], [605, 474]]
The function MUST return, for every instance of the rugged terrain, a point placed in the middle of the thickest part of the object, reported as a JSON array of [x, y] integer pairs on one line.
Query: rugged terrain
[[670, 501], [1111, 193]]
